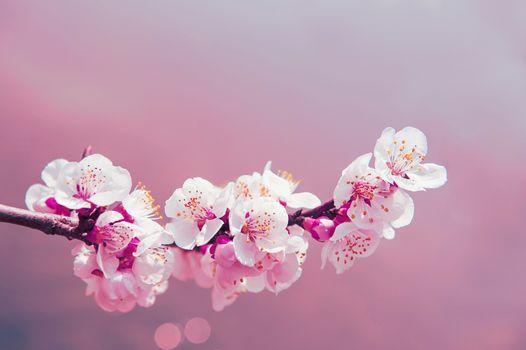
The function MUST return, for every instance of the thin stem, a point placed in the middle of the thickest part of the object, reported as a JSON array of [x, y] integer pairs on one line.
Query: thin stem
[[73, 228], [326, 209], [51, 224]]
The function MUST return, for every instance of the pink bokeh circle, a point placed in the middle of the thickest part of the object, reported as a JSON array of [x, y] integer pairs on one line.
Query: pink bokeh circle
[[167, 336], [197, 330]]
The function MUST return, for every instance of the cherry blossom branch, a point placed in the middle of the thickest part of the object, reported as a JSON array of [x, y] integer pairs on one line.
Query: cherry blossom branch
[[51, 224], [243, 237], [73, 228]]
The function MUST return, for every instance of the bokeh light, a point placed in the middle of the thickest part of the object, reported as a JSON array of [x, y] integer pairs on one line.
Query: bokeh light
[[167, 336], [197, 330]]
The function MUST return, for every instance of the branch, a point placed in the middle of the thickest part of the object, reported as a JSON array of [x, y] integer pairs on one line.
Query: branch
[[73, 228], [321, 210], [51, 224]]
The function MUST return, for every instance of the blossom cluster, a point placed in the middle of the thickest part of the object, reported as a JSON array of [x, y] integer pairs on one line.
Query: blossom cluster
[[372, 202], [237, 239], [124, 259], [245, 237]]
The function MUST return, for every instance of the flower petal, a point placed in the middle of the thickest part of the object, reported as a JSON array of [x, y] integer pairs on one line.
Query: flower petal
[[210, 228], [429, 175], [245, 250], [70, 202], [403, 201], [109, 217], [185, 233], [342, 230], [35, 198], [273, 243], [303, 200], [108, 264], [255, 284], [222, 201], [51, 172], [278, 185], [344, 190]]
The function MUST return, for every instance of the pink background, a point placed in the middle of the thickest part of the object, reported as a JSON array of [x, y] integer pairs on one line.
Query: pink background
[[173, 89]]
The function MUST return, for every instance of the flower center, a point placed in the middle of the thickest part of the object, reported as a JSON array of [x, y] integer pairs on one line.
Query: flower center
[[403, 158], [363, 190], [90, 182], [257, 227], [204, 215]]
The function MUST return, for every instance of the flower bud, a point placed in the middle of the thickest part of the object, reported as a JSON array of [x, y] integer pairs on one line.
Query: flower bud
[[321, 228], [341, 215]]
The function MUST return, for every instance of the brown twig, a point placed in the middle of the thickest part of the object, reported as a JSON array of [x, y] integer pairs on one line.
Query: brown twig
[[326, 209], [51, 224]]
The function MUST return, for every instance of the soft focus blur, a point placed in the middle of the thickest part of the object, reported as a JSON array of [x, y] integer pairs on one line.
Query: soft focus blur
[[174, 89]]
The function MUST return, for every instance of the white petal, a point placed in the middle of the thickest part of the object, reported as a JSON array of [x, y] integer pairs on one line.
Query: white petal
[[108, 264], [285, 271], [51, 171], [35, 194], [245, 250], [96, 160], [325, 251], [236, 218], [388, 232], [223, 200], [429, 175], [407, 184], [66, 185], [197, 184], [153, 240], [210, 228], [366, 242], [295, 230], [297, 244], [105, 198], [268, 166], [359, 167], [276, 183], [175, 204], [405, 202], [303, 200], [108, 217], [121, 183], [255, 284], [381, 157], [222, 298], [342, 230], [280, 216], [413, 137], [185, 233], [362, 215], [275, 242], [148, 226], [70, 202]]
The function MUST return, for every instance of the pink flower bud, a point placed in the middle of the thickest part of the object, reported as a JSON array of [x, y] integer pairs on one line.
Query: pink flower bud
[[341, 214], [321, 228]]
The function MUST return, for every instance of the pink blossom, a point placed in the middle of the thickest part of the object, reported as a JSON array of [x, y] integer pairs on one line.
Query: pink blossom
[[258, 225], [348, 243], [399, 156], [372, 203], [42, 197], [196, 210], [94, 181]]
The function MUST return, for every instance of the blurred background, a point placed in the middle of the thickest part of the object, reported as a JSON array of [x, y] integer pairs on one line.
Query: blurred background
[[174, 89]]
